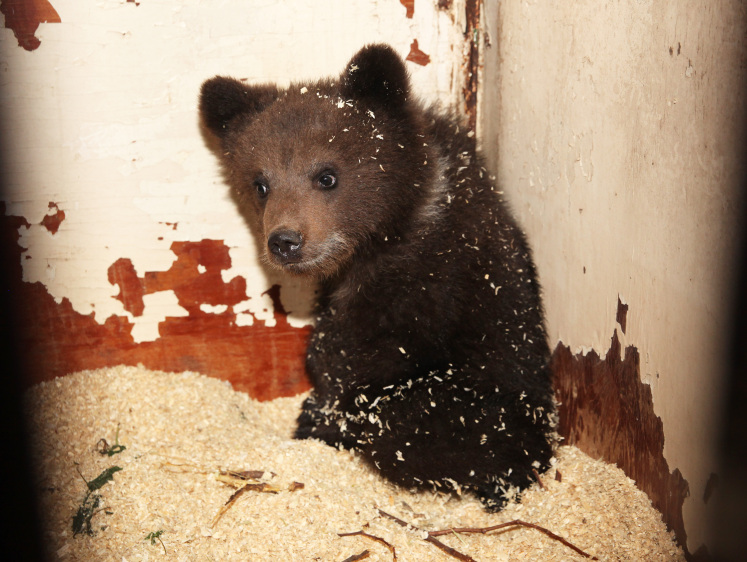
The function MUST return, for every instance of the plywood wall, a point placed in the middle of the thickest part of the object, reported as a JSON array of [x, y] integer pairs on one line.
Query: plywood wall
[[617, 132]]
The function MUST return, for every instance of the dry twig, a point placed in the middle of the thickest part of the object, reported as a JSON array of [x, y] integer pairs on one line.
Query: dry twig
[[242, 480], [374, 538], [514, 523], [431, 535], [247, 481], [260, 487], [434, 541]]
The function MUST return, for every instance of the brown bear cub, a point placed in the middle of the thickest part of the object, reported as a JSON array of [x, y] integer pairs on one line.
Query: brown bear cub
[[429, 354]]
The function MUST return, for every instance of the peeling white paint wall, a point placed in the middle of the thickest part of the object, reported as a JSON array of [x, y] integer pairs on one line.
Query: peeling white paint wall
[[622, 161], [103, 121]]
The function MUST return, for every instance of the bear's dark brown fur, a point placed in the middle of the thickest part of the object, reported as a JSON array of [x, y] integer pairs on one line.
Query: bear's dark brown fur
[[429, 354]]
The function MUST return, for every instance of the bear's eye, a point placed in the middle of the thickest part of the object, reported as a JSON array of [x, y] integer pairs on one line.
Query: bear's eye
[[262, 189], [327, 180]]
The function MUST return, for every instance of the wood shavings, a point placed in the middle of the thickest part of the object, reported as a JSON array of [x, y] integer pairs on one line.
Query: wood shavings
[[183, 438]]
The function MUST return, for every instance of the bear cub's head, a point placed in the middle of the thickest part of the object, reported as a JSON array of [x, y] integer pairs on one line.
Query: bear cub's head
[[330, 169]]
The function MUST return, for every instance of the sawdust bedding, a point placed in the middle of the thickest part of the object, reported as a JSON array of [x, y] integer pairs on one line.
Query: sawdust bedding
[[159, 441]]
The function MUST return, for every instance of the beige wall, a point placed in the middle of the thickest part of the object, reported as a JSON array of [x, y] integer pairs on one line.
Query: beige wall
[[615, 128]]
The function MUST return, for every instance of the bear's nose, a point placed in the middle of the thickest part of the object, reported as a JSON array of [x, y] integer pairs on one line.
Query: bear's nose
[[286, 245]]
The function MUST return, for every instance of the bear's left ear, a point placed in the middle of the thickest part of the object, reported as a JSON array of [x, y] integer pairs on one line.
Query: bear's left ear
[[377, 76], [222, 99]]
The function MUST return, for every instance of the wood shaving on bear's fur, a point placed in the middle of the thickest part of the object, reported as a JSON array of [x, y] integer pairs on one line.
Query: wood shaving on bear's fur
[[177, 432]]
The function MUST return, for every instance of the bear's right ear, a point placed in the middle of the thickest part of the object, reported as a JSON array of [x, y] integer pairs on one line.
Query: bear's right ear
[[377, 76], [222, 99]]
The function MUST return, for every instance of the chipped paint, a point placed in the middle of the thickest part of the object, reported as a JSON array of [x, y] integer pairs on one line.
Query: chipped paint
[[472, 60], [416, 55], [622, 315], [409, 7], [195, 277], [24, 17], [607, 412], [262, 359], [53, 219]]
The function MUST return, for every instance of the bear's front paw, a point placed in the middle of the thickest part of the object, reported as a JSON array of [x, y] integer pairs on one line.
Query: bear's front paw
[[329, 426], [328, 430], [306, 425], [492, 498]]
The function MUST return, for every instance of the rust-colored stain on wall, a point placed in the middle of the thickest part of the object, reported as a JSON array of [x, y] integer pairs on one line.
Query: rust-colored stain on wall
[[195, 277], [24, 17], [608, 413], [264, 361], [409, 7], [52, 221], [622, 315], [416, 55]]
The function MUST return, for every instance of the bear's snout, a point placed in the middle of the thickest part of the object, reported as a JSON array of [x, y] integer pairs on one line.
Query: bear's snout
[[286, 245]]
